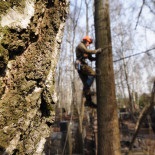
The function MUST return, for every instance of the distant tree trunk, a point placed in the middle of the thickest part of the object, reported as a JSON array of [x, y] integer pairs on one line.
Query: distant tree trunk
[[78, 141], [128, 87], [87, 21], [108, 129], [75, 23]]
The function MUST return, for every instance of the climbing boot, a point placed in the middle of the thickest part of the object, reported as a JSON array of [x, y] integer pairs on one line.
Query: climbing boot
[[89, 92], [92, 93], [90, 104]]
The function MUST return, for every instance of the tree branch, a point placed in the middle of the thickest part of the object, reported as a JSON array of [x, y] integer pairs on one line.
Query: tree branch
[[140, 13], [134, 54]]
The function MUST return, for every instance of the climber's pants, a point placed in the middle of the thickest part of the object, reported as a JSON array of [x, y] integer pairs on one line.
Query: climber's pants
[[87, 70], [87, 76]]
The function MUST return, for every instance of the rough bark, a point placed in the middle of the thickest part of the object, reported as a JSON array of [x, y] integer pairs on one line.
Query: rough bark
[[108, 130], [28, 57]]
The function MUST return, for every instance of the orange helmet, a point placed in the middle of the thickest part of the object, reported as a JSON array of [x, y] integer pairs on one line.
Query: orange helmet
[[89, 39]]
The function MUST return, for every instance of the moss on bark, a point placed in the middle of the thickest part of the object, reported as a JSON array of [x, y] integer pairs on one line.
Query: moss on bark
[[5, 5], [27, 82]]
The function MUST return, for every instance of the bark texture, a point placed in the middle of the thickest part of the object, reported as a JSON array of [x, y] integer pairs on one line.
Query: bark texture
[[108, 130], [30, 39]]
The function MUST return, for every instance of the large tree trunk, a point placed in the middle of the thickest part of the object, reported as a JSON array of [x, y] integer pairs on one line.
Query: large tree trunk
[[30, 39], [108, 129]]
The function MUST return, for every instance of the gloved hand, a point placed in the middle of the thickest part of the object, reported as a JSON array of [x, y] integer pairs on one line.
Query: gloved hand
[[99, 50]]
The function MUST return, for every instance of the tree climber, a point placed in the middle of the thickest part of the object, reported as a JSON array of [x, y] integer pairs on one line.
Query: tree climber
[[86, 73]]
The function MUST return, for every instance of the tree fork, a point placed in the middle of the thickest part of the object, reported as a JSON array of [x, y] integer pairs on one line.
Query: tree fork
[[108, 128]]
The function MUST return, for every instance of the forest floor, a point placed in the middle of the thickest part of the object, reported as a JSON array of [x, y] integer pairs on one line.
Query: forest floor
[[59, 144], [145, 141]]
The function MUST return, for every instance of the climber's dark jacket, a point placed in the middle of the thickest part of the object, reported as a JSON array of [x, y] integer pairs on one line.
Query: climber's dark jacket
[[82, 53]]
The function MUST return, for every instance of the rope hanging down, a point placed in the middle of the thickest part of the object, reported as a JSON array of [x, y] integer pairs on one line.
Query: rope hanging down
[[134, 55]]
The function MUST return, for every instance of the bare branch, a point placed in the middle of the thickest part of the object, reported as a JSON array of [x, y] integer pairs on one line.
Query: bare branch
[[151, 10], [134, 55], [140, 13]]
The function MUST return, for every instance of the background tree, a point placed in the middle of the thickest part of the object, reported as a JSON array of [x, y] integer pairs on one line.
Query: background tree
[[129, 39]]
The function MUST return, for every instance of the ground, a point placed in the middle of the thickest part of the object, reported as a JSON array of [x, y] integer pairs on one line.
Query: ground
[[144, 143]]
